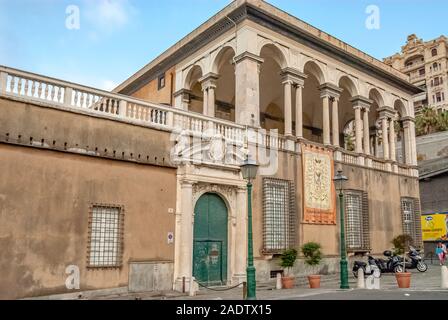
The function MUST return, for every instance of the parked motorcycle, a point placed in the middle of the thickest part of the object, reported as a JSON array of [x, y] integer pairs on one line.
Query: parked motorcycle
[[415, 261], [385, 266]]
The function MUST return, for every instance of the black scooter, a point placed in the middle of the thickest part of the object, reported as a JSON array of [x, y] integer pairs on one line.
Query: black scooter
[[384, 266], [415, 261]]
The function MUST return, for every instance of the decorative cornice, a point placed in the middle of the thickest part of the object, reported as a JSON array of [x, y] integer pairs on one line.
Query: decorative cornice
[[182, 92], [253, 13]]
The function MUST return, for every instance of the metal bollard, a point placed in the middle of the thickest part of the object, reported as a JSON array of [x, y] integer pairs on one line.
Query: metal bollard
[[244, 290], [361, 280]]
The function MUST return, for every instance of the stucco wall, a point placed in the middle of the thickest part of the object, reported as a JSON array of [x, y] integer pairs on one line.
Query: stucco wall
[[150, 91], [385, 191], [54, 165]]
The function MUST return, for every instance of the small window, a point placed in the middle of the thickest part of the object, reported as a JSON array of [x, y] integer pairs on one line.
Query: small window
[[438, 97], [357, 221], [105, 246], [161, 82], [411, 218], [279, 215], [421, 72], [434, 52], [435, 66]]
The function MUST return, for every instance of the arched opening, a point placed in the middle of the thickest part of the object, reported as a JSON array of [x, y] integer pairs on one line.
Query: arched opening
[[225, 85], [272, 115], [312, 103], [192, 83], [399, 131], [210, 240], [346, 112], [374, 122]]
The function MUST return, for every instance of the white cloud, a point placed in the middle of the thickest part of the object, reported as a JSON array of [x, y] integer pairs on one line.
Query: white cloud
[[109, 14]]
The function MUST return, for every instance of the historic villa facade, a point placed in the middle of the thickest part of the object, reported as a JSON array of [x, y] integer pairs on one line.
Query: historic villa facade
[[141, 188]]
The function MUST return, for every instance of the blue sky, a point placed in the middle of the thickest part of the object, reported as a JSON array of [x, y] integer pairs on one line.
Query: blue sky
[[118, 37]]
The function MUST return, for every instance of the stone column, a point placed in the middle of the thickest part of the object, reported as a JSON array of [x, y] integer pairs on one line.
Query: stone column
[[385, 138], [410, 151], [335, 110], [326, 119], [287, 84], [211, 101], [205, 102], [299, 111], [241, 236], [247, 92], [393, 150], [366, 129], [186, 236], [358, 129], [208, 86]]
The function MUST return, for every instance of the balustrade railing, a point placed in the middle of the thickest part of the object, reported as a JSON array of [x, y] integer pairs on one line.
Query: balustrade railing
[[66, 95]]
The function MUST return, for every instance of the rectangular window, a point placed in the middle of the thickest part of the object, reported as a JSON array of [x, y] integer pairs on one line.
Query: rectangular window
[[105, 246], [161, 82], [411, 218], [422, 72], [438, 97], [357, 221], [279, 215]]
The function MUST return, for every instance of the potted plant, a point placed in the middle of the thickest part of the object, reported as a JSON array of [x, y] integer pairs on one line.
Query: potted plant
[[400, 244], [288, 258], [313, 257]]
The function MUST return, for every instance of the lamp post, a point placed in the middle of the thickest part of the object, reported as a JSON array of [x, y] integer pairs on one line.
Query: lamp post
[[339, 181], [249, 171]]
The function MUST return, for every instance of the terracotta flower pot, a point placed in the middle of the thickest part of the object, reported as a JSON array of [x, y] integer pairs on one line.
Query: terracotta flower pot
[[314, 281], [288, 282], [403, 280]]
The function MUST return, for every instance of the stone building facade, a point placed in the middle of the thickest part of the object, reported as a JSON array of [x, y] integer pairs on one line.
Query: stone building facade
[[426, 65], [141, 188]]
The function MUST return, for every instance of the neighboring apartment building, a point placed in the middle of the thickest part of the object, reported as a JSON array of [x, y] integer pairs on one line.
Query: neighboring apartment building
[[426, 65], [142, 189]]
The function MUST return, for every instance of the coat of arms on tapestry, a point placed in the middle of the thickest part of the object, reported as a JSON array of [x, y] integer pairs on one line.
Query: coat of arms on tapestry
[[318, 188]]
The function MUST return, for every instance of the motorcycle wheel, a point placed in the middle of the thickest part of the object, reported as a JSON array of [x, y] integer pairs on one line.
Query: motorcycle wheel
[[422, 266], [398, 269]]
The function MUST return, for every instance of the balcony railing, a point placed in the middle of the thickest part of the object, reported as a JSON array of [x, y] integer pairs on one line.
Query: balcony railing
[[72, 97]]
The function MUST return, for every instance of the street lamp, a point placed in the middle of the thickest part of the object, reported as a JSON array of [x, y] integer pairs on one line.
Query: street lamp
[[339, 181], [249, 171]]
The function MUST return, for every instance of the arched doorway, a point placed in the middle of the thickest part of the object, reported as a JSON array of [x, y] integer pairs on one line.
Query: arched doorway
[[210, 240]]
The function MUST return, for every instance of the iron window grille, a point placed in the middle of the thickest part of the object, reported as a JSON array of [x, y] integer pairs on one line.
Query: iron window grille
[[279, 213], [105, 243], [411, 219], [357, 224]]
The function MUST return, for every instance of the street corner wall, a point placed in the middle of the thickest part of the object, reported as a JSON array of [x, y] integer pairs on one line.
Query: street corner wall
[[385, 191], [45, 196], [150, 91]]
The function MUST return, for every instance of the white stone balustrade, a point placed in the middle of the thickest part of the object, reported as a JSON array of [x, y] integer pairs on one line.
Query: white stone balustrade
[[29, 87]]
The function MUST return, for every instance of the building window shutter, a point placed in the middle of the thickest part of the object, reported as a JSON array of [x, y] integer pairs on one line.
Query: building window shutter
[[366, 221], [279, 211], [357, 221], [418, 224]]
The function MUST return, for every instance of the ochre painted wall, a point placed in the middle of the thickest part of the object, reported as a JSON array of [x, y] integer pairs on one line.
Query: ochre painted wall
[[44, 212], [150, 92]]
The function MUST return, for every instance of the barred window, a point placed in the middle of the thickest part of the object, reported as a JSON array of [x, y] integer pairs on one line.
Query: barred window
[[279, 215], [357, 221], [105, 236], [411, 218]]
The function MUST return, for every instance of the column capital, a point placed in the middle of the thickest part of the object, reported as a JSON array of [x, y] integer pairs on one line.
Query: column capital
[[330, 90], [407, 119], [294, 76], [185, 93], [247, 55], [361, 102], [209, 80], [387, 112]]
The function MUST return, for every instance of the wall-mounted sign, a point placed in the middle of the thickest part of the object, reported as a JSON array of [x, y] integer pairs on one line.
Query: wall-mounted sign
[[170, 237], [435, 227]]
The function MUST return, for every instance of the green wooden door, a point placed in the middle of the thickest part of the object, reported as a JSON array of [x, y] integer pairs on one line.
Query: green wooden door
[[210, 241]]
